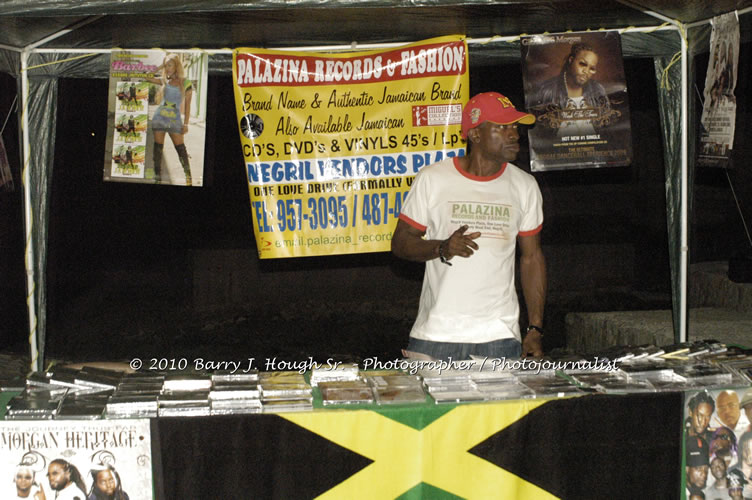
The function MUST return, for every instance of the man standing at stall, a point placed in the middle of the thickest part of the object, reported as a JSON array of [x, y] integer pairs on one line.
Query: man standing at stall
[[477, 208]]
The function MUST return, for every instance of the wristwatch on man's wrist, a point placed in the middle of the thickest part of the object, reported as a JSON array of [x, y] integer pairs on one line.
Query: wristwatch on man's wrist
[[536, 328], [442, 258]]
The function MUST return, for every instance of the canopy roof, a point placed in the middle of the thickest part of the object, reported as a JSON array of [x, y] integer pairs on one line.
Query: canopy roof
[[216, 24], [49, 30]]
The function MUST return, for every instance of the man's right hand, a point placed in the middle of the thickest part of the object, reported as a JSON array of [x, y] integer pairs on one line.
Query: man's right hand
[[461, 244]]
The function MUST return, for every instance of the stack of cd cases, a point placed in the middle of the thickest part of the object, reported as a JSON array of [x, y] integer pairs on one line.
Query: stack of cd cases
[[458, 386], [185, 395], [340, 392], [135, 396], [190, 403], [397, 388], [35, 404], [90, 393], [338, 373], [84, 406], [235, 393], [283, 391]]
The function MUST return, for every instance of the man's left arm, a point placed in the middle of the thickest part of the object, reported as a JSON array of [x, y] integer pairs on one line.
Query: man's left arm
[[533, 279]]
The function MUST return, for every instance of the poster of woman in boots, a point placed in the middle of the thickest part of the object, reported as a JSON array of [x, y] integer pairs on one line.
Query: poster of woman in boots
[[173, 86]]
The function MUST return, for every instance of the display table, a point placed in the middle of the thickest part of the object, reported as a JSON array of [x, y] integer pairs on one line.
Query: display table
[[598, 447], [595, 446]]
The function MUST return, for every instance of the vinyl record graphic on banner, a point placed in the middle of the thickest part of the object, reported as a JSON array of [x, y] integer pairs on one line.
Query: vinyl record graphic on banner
[[252, 126]]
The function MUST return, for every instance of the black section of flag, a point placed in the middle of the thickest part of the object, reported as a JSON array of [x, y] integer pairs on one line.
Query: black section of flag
[[264, 456], [595, 447]]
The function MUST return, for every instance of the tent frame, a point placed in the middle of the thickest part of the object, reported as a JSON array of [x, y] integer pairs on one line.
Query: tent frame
[[35, 302]]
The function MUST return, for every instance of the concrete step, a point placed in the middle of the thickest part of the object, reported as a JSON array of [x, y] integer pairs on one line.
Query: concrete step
[[589, 332], [709, 286], [719, 309]]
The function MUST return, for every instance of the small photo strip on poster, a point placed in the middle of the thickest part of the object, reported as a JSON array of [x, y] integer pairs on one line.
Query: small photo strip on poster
[[129, 134]]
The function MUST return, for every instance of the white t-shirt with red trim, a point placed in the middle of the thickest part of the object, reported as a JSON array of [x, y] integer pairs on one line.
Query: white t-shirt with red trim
[[474, 300]]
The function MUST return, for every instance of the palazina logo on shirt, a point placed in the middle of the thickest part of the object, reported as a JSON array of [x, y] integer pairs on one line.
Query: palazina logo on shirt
[[480, 211]]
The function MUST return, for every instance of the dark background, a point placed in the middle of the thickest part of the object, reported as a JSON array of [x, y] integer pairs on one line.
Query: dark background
[[142, 270]]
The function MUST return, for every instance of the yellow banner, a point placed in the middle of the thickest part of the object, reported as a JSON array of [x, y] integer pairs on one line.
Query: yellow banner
[[332, 142]]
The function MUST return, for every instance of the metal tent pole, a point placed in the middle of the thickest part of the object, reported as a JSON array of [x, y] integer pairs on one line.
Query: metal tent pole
[[36, 363], [684, 244]]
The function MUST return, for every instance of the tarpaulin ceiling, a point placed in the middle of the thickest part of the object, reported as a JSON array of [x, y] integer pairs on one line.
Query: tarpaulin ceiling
[[280, 23], [57, 29]]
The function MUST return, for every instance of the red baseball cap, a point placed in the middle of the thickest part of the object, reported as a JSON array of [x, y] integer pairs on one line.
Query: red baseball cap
[[492, 107]]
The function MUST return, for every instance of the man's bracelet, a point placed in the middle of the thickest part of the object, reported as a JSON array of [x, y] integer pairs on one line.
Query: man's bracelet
[[536, 328], [441, 254]]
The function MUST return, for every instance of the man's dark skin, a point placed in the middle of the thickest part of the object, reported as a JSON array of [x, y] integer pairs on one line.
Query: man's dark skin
[[700, 419], [581, 69], [492, 146]]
